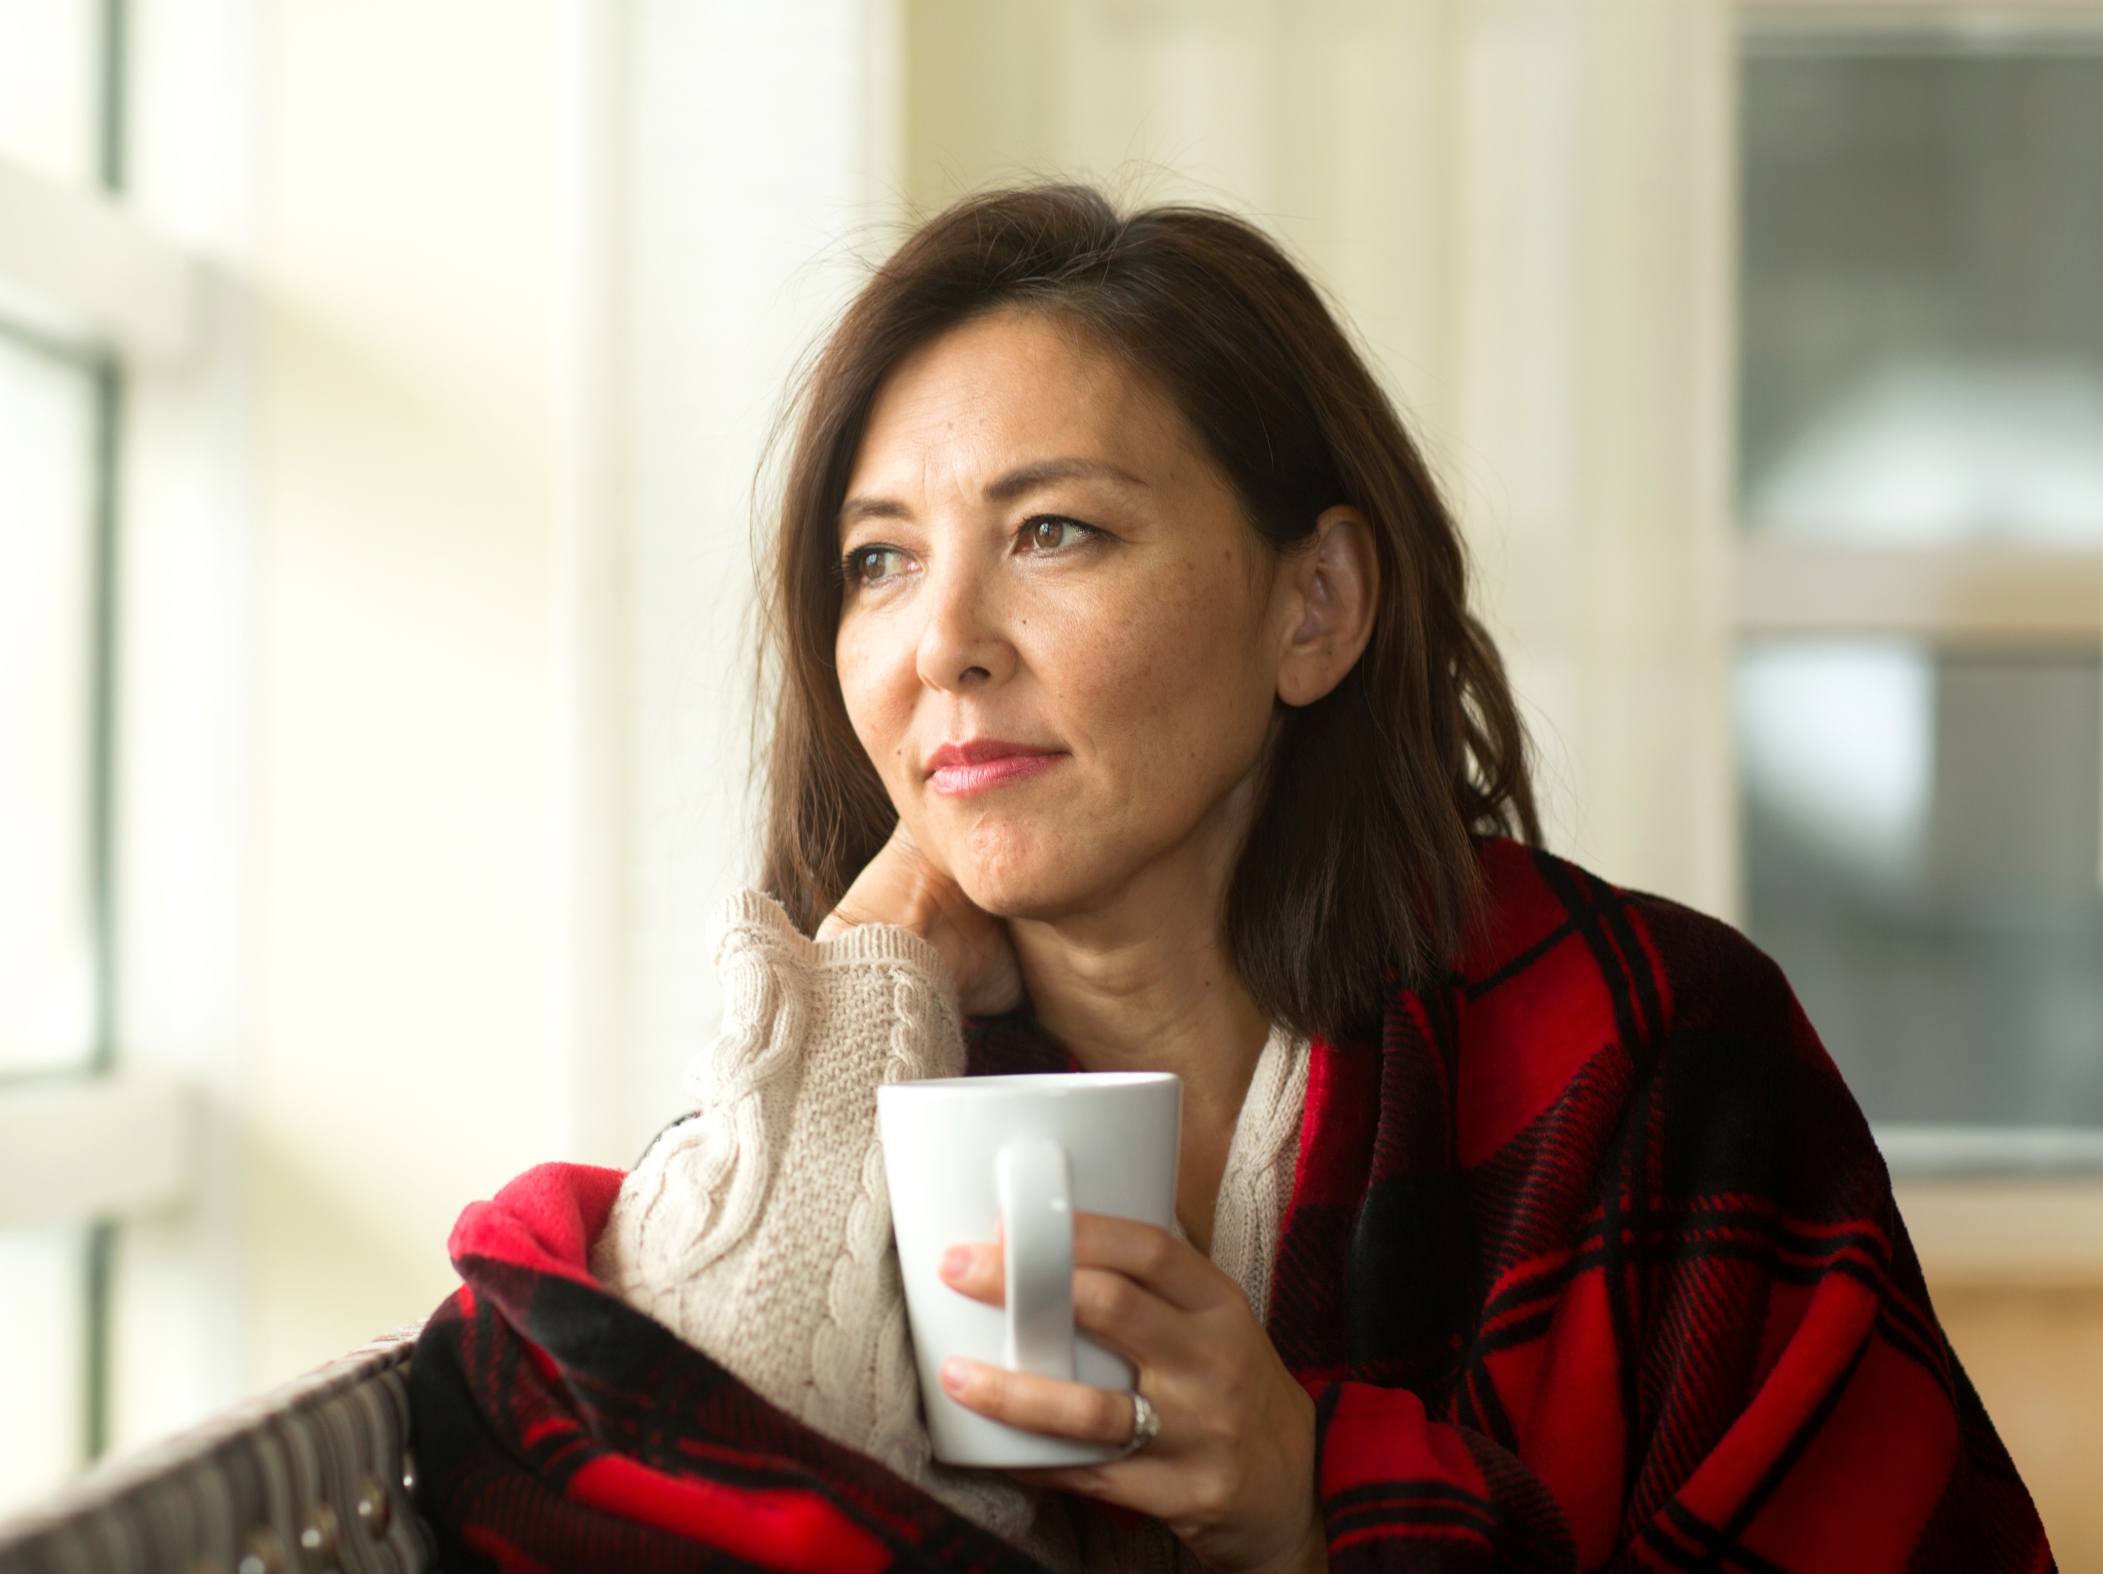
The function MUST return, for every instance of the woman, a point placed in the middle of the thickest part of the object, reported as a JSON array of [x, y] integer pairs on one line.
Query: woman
[[1131, 703]]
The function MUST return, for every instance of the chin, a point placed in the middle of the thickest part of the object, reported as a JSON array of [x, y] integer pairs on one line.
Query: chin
[[1026, 866], [1018, 893], [1024, 883]]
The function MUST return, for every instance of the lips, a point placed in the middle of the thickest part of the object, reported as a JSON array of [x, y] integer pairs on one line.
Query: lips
[[977, 764]]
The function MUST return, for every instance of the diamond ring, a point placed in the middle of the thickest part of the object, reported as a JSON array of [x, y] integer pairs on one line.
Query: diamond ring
[[1146, 1426]]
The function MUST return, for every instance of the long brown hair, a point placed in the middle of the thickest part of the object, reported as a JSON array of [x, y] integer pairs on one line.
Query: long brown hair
[[1359, 870]]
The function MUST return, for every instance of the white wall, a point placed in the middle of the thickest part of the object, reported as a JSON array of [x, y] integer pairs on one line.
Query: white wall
[[405, 301], [759, 176]]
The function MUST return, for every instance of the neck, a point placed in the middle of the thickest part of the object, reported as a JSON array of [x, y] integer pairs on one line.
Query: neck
[[1143, 983], [1154, 995]]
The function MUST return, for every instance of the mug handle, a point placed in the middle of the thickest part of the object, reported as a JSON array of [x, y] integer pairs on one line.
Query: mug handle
[[1036, 1209]]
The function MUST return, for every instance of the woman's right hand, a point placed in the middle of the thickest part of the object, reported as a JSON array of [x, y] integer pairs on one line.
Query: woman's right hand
[[900, 886]]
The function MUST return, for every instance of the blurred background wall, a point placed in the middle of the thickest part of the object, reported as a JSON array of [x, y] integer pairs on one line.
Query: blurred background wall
[[424, 694]]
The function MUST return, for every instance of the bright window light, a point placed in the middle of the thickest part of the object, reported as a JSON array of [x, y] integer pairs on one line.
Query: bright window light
[[49, 107], [47, 657], [43, 1322]]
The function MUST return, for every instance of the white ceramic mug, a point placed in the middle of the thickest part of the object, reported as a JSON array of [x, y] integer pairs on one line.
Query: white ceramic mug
[[1028, 1152]]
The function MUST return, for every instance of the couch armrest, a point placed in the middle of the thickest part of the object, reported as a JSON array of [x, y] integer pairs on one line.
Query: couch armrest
[[302, 1480]]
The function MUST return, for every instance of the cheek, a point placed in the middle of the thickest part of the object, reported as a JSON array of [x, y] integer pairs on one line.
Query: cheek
[[877, 685], [1167, 681]]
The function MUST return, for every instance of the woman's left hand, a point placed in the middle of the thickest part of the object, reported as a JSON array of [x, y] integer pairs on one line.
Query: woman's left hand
[[1232, 1470]]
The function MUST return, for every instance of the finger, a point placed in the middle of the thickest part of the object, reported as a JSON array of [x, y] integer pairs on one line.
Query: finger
[[1129, 1318], [884, 890], [1170, 1269], [976, 1269], [875, 896], [1040, 1404], [1174, 1270]]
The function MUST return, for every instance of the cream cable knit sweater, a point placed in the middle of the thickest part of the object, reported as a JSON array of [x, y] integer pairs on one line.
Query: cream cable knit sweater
[[759, 1229]]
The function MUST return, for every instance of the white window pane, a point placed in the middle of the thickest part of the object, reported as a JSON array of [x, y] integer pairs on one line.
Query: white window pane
[[43, 1329], [1921, 858], [47, 991], [50, 86], [1922, 323]]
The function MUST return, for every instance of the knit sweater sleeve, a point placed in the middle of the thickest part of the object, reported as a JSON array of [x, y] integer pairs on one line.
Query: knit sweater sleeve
[[758, 1229]]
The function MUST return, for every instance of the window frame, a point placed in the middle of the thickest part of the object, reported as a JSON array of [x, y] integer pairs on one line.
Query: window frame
[[83, 281]]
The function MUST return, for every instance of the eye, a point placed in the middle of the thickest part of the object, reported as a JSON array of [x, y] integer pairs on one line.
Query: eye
[[871, 565], [1052, 533]]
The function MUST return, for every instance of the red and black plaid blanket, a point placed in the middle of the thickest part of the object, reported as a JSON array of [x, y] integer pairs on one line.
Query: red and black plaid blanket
[[1590, 1262]]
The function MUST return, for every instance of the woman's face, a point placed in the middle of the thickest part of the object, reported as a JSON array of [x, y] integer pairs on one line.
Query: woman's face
[[1060, 643]]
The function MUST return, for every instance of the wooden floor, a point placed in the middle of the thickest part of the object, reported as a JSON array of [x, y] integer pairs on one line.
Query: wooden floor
[[2017, 1276], [2035, 1353]]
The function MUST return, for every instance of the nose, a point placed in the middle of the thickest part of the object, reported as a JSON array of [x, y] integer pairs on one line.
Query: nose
[[963, 643]]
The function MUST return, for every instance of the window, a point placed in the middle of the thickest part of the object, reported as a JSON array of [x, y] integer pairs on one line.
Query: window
[[49, 853], [1919, 706], [61, 377], [52, 82], [48, 683]]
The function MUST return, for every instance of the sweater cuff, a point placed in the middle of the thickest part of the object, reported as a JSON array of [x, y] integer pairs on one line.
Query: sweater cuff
[[750, 911]]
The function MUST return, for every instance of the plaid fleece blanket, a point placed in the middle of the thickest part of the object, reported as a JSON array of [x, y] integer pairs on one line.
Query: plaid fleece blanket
[[1590, 1262]]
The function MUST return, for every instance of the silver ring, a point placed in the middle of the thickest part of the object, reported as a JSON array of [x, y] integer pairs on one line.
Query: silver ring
[[1146, 1426]]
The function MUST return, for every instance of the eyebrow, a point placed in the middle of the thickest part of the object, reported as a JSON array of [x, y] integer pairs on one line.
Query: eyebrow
[[1016, 483]]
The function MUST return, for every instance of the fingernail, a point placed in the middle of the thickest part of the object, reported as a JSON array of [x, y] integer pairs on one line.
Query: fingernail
[[955, 1374], [956, 1262]]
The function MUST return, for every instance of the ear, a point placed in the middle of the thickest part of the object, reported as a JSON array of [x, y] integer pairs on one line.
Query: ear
[[1330, 589]]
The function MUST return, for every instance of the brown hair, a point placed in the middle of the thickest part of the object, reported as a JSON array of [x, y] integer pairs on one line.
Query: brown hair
[[1360, 868]]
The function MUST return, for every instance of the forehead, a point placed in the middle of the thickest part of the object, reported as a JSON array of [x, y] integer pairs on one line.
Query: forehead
[[1009, 388]]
